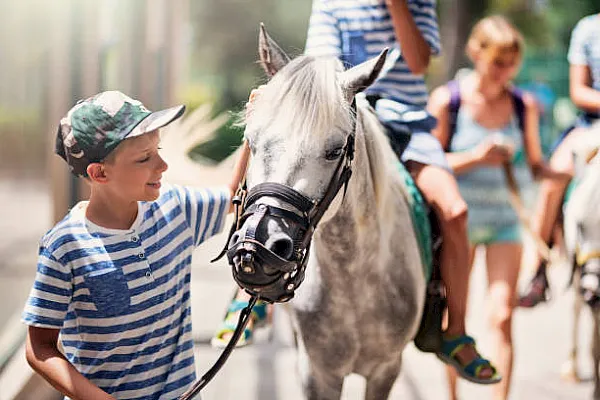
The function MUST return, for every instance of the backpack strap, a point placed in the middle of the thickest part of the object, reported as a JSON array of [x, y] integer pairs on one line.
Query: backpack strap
[[453, 108], [519, 104]]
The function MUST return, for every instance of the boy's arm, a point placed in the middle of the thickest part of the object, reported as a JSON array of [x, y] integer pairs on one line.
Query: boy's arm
[[44, 357], [239, 171]]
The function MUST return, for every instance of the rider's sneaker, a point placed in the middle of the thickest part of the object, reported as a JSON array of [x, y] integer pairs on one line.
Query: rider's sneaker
[[537, 292]]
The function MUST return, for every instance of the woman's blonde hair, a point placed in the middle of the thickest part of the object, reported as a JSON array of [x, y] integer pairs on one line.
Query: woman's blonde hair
[[495, 36]]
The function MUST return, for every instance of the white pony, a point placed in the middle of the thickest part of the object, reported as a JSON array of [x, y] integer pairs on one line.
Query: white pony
[[582, 240], [363, 295]]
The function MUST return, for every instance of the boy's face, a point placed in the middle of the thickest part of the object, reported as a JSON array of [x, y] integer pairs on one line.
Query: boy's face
[[134, 171]]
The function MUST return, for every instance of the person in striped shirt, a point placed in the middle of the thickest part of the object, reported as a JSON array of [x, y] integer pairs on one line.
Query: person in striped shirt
[[584, 82], [356, 30], [109, 311]]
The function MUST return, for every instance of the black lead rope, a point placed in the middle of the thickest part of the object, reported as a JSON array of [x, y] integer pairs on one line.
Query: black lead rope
[[210, 374]]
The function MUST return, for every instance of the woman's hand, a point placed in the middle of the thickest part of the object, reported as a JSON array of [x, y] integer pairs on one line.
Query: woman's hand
[[493, 153]]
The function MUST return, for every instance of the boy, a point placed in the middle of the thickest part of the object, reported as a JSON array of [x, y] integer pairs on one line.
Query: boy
[[113, 276]]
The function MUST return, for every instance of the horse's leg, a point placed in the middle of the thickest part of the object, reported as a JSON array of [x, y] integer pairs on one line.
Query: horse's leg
[[596, 353], [569, 369], [317, 383], [381, 380]]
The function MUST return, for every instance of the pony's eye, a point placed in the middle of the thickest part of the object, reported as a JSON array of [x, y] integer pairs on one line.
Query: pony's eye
[[334, 154]]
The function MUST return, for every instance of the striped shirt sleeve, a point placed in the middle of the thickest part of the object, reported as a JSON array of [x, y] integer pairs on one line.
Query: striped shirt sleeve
[[425, 16], [205, 210], [323, 37], [51, 294], [579, 46]]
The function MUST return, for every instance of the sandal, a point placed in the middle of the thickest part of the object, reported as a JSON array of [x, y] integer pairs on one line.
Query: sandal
[[259, 318], [470, 372]]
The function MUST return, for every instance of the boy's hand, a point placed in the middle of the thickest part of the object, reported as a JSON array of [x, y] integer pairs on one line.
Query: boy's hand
[[253, 95]]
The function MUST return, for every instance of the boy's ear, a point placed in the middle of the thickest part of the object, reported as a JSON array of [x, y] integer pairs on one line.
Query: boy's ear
[[96, 172]]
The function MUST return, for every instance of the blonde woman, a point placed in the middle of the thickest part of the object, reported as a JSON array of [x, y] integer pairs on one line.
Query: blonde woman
[[483, 123]]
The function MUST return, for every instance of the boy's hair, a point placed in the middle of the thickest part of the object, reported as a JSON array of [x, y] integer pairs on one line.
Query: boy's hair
[[496, 36], [94, 127]]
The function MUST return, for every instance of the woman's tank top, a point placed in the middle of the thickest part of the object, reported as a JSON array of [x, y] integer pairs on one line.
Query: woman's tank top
[[484, 188]]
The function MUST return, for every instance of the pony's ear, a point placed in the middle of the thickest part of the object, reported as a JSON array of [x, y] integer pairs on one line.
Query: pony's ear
[[272, 58], [361, 76]]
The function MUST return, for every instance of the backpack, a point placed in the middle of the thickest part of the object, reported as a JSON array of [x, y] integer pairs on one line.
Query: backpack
[[454, 106]]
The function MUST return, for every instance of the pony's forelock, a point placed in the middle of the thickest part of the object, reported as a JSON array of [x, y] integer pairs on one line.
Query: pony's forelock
[[306, 98]]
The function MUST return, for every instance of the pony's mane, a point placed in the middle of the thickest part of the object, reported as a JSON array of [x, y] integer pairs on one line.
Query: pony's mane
[[307, 88]]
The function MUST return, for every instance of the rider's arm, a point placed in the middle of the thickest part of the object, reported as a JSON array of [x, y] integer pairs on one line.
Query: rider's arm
[[415, 48], [44, 357], [438, 106], [582, 94], [533, 149]]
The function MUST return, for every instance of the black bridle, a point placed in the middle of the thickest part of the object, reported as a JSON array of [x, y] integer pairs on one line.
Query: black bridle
[[262, 273]]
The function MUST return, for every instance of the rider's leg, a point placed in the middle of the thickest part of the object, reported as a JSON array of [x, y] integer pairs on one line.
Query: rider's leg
[[546, 212], [441, 191], [450, 371], [503, 260]]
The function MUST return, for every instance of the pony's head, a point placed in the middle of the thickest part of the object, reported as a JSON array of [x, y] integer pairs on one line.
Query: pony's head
[[301, 132]]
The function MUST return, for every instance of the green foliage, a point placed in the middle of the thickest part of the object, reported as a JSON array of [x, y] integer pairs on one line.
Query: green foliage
[[226, 52], [227, 139]]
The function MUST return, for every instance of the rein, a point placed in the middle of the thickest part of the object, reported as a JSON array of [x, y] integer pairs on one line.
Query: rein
[[517, 204], [210, 374]]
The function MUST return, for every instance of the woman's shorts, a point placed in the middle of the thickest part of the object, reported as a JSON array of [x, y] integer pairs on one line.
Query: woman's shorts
[[490, 235]]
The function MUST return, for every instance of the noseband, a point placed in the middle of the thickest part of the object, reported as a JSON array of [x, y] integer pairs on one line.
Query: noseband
[[259, 270]]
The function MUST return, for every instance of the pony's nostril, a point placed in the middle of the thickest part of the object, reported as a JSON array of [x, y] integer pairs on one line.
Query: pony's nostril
[[281, 245]]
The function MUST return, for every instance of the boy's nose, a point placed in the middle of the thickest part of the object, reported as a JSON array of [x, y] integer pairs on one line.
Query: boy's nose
[[162, 164]]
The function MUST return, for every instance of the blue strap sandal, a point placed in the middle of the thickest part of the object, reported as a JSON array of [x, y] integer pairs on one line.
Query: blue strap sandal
[[259, 318], [452, 346]]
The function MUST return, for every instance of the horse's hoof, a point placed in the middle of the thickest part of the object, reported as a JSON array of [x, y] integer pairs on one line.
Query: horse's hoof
[[568, 372]]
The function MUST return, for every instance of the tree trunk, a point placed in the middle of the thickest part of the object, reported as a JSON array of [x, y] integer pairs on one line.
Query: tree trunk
[[457, 17]]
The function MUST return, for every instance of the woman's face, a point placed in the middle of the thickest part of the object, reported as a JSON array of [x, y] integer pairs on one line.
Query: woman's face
[[498, 67]]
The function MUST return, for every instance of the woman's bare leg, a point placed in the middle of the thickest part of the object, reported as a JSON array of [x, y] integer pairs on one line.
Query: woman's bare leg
[[503, 261]]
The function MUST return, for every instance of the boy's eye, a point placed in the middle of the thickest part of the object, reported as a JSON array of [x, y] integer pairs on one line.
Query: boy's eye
[[144, 159]]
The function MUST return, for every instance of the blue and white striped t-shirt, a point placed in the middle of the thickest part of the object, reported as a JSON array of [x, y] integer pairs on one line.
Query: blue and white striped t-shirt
[[356, 30], [121, 298], [584, 48]]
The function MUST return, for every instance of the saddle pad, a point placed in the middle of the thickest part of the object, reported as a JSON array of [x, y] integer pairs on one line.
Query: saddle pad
[[420, 220]]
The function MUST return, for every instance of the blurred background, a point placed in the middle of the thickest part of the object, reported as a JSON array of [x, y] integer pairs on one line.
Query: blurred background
[[201, 53]]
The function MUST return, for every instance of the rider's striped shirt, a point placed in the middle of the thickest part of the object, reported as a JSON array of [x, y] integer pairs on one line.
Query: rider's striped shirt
[[355, 30], [121, 298], [584, 48]]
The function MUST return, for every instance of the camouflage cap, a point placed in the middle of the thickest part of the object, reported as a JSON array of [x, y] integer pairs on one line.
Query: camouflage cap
[[95, 126]]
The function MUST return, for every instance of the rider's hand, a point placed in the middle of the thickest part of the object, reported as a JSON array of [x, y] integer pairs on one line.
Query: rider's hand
[[493, 153]]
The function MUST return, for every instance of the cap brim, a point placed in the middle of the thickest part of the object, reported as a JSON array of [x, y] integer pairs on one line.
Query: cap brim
[[157, 120]]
